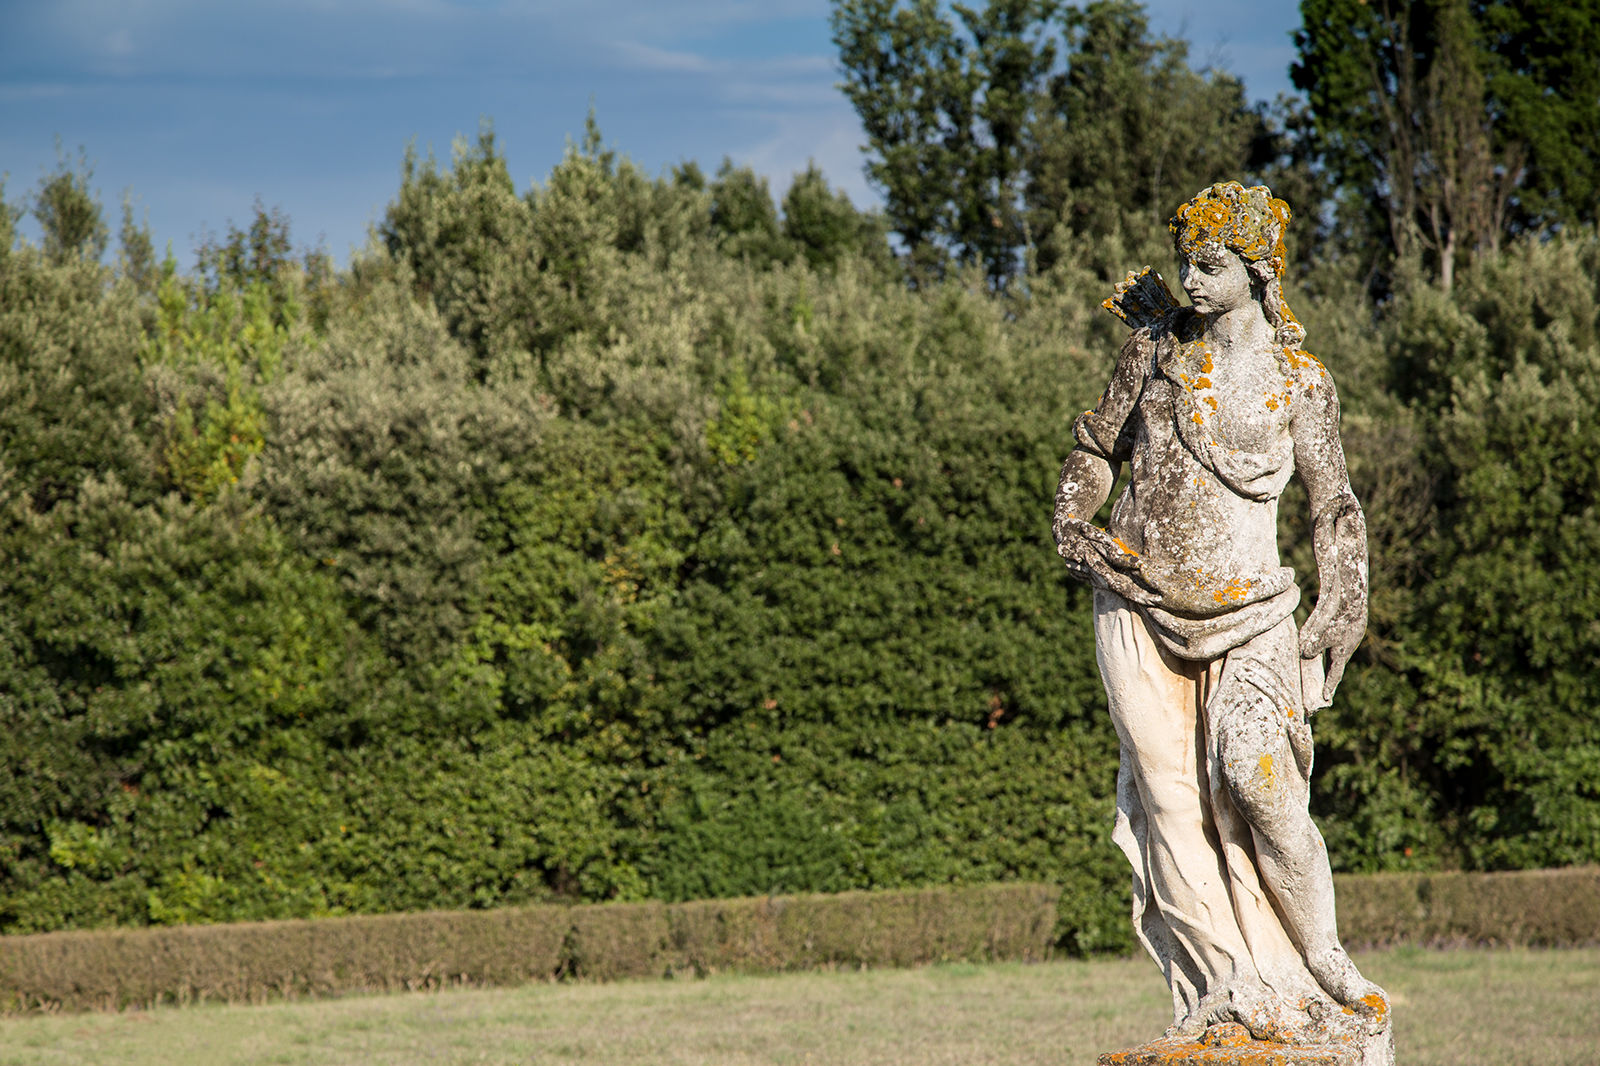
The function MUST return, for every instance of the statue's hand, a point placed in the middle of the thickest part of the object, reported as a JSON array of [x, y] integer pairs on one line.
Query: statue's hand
[[1095, 556], [1335, 631]]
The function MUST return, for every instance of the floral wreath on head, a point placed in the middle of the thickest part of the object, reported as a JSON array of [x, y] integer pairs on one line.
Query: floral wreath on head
[[1249, 222]]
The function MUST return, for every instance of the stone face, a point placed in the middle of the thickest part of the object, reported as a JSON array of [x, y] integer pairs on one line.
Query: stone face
[[1213, 408]]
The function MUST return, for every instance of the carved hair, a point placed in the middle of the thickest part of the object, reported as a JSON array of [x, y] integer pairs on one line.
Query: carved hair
[[1250, 223]]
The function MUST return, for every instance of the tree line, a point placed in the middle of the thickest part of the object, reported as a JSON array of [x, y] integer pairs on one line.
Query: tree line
[[636, 536], [1428, 129]]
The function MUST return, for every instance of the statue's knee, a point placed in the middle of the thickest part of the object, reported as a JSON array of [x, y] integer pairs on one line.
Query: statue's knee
[[1257, 780], [1246, 791]]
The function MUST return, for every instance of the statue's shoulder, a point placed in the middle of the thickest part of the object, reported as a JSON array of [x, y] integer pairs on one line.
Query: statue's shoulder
[[1310, 385], [1306, 370]]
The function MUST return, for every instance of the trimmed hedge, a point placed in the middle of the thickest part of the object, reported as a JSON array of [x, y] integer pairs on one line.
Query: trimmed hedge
[[252, 962], [865, 929], [1534, 908]]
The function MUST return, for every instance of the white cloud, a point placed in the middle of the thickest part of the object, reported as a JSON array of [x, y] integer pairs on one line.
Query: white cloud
[[648, 57]]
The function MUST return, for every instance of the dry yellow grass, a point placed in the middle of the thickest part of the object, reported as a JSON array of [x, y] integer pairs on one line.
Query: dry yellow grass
[[1494, 1008]]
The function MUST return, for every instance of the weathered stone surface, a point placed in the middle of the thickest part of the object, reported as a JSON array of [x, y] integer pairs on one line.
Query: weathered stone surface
[[1230, 1044], [1214, 407], [1177, 1051]]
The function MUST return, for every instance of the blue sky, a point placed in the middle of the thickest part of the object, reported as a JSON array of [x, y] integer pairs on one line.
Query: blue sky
[[197, 107]]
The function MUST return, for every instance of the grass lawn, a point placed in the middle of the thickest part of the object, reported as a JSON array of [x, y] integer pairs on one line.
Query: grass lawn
[[1453, 1007]]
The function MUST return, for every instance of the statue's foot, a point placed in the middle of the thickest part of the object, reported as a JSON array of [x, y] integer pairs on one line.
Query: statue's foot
[[1213, 1007], [1277, 1018], [1336, 973]]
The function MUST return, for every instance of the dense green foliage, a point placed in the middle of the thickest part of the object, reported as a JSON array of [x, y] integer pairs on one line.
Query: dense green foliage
[[631, 537]]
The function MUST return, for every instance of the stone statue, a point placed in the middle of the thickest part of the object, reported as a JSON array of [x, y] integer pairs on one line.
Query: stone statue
[[1210, 685]]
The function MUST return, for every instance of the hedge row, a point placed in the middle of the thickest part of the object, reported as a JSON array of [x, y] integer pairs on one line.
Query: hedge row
[[256, 961], [262, 960], [1533, 908]]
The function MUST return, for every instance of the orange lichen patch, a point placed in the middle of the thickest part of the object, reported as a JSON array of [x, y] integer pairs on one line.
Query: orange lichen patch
[[1265, 767], [1202, 383], [1212, 400], [1178, 1051], [1198, 420], [1272, 403], [1123, 546], [1226, 1034], [1303, 360], [1233, 592], [1250, 222], [1207, 365]]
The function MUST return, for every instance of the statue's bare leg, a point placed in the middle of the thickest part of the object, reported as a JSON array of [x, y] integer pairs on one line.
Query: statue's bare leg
[[1266, 786]]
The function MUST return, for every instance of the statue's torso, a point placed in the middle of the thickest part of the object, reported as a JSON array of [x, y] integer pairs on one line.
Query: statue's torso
[[1211, 453]]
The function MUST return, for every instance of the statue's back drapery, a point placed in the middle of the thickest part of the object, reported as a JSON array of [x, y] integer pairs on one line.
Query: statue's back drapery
[[1213, 408]]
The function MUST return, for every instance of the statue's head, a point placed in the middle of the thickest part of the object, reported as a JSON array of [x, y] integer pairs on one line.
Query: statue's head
[[1248, 223]]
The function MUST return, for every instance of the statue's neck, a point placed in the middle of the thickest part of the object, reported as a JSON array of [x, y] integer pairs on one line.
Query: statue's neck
[[1243, 327]]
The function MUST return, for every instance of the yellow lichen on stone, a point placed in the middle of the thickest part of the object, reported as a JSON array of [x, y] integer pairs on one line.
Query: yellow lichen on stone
[[1233, 592], [1300, 359], [1248, 221]]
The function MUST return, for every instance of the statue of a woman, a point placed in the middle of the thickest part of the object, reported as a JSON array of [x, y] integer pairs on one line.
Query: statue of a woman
[[1210, 684]]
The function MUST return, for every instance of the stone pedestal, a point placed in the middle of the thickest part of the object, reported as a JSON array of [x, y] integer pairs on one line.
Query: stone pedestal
[[1230, 1044]]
